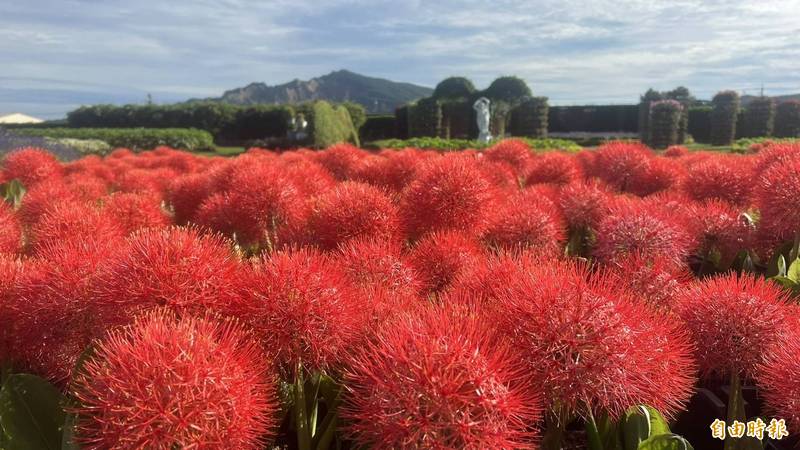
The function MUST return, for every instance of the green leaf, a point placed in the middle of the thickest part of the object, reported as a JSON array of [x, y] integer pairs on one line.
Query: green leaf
[[785, 282], [640, 423], [68, 436], [665, 442], [781, 266], [31, 413], [794, 271]]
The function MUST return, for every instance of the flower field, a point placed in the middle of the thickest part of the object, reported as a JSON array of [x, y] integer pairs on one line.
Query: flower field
[[613, 298]]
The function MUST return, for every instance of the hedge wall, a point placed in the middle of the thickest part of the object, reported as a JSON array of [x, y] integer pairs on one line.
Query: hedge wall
[[530, 118], [132, 138], [665, 123], [644, 112], [378, 127], [787, 119], [723, 117], [329, 125], [456, 120], [700, 123], [425, 118], [401, 121], [595, 119], [759, 117]]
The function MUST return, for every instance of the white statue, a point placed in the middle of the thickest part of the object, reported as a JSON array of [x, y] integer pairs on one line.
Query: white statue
[[481, 106], [300, 125]]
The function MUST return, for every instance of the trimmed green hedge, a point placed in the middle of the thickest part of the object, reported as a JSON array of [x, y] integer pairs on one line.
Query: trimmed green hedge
[[700, 123], [331, 125], [425, 118], [724, 117], [456, 119], [463, 144], [132, 138], [759, 117], [378, 127], [787, 119], [529, 118], [665, 123], [593, 118], [401, 115]]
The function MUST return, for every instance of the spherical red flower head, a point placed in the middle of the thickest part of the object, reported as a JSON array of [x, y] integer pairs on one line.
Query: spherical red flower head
[[621, 164], [145, 180], [352, 210], [774, 154], [552, 167], [121, 153], [588, 343], [10, 230], [448, 192], [640, 231], [87, 188], [342, 160], [378, 264], [526, 220], [62, 317], [391, 170], [732, 319], [41, 197], [721, 230], [440, 257], [437, 379], [185, 194], [500, 175], [514, 152], [776, 195], [173, 267], [73, 221], [660, 175], [10, 309], [308, 176], [726, 178], [676, 151], [304, 306], [31, 166], [779, 379], [134, 211], [168, 383], [584, 204], [655, 280], [218, 214]]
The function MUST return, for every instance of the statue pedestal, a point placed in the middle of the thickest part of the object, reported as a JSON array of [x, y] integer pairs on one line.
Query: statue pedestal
[[484, 138]]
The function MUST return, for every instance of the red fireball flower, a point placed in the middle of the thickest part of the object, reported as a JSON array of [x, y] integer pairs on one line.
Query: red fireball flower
[[525, 220], [304, 306], [779, 379], [10, 339], [134, 211], [185, 194], [655, 280], [513, 152], [620, 163], [342, 160], [552, 167], [309, 176], [776, 194], [351, 210], [584, 205], [439, 379], [377, 264], [31, 166], [660, 175], [590, 345], [87, 188], [732, 319], [392, 170], [448, 192], [439, 258], [143, 180], [726, 178], [10, 230], [676, 151], [73, 221], [167, 383], [173, 267], [41, 197], [721, 230]]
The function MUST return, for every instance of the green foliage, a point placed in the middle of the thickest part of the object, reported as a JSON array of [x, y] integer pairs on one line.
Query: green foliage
[[357, 114], [12, 192], [258, 122], [378, 127], [665, 119], [759, 117], [787, 119], [84, 146], [330, 125], [463, 144], [743, 145], [425, 118], [133, 138], [454, 88], [31, 415], [593, 118], [644, 112], [457, 118], [509, 89], [401, 121], [529, 118], [700, 123], [723, 117]]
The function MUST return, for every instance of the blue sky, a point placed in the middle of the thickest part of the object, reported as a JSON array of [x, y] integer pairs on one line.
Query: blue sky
[[58, 54]]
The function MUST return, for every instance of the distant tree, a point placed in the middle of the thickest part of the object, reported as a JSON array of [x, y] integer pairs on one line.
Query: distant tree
[[759, 117], [787, 119], [454, 88], [508, 89], [358, 114]]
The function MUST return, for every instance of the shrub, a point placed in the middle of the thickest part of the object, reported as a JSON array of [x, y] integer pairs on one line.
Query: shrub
[[700, 123], [84, 146], [457, 118], [591, 118], [723, 118], [425, 118], [463, 144], [508, 89], [665, 119], [401, 121], [358, 114], [133, 138], [759, 117], [378, 127], [331, 125], [454, 88], [787, 119], [644, 112], [529, 118]]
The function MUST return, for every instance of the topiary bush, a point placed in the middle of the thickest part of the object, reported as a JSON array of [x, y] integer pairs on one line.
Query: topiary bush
[[787, 119], [530, 118], [644, 112], [759, 117], [723, 117], [425, 118], [665, 121], [358, 114], [330, 125], [401, 121], [508, 89], [593, 118], [456, 119], [700, 123], [378, 127], [454, 88], [132, 138]]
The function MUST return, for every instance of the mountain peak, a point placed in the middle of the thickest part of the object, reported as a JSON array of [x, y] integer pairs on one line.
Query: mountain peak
[[377, 95]]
